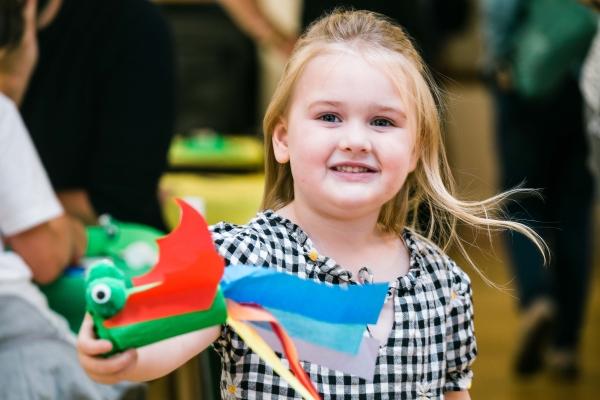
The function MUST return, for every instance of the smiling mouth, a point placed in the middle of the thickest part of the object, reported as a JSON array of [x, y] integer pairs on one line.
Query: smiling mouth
[[353, 169]]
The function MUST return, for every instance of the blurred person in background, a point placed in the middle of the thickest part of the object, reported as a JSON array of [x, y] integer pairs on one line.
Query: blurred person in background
[[98, 100], [37, 241], [590, 88], [542, 144], [428, 22]]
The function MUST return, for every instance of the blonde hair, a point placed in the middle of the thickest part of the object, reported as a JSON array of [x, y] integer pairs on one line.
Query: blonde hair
[[430, 185]]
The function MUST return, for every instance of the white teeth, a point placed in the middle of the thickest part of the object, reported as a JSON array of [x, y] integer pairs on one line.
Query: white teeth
[[354, 170]]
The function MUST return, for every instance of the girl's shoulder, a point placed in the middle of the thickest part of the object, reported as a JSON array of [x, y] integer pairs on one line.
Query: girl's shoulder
[[436, 263], [264, 224], [252, 243]]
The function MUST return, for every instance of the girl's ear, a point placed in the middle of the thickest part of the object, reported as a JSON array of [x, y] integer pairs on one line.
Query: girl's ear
[[280, 142]]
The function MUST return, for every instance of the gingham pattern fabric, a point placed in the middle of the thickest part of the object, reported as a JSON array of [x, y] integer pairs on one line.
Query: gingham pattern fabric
[[431, 346]]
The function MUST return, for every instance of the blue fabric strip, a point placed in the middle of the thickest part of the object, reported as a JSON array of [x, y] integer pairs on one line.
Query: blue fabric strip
[[349, 304]]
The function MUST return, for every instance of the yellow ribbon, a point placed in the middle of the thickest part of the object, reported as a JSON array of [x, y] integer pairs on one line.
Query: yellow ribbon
[[264, 351]]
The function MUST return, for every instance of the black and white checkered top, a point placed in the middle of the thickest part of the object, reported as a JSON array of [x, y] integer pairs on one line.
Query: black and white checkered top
[[431, 346]]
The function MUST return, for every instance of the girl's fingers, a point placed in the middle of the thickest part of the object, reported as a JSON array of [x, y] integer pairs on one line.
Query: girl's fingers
[[87, 343], [104, 370], [108, 369]]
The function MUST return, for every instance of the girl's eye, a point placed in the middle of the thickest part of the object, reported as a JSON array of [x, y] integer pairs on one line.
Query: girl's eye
[[329, 118], [382, 122]]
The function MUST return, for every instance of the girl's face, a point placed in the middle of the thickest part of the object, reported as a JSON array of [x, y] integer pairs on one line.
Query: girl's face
[[346, 136]]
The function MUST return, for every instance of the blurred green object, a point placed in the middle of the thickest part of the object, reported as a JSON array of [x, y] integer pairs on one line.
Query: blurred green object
[[552, 42], [130, 247], [66, 296], [206, 149]]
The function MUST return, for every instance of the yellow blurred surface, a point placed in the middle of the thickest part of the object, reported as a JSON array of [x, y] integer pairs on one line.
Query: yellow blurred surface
[[221, 197]]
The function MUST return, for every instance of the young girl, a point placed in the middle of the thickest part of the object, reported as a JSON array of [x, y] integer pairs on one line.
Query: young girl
[[354, 153]]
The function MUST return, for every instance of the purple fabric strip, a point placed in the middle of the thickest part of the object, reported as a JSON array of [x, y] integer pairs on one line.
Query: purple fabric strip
[[361, 365]]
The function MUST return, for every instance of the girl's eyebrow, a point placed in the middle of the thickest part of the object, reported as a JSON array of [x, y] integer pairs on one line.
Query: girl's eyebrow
[[330, 103], [389, 109]]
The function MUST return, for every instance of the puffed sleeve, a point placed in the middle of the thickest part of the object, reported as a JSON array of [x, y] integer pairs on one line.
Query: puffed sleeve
[[461, 346], [238, 245]]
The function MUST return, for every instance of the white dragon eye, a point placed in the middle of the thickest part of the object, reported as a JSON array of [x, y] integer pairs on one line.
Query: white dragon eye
[[101, 293]]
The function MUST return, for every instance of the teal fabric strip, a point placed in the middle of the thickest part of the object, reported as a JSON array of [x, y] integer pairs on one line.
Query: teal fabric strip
[[339, 337]]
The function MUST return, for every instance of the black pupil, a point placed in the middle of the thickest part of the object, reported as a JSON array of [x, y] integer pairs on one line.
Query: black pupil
[[100, 295]]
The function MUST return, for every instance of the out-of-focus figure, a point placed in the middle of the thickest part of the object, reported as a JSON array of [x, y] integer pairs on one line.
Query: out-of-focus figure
[[590, 87], [37, 241], [542, 145], [428, 22], [95, 87]]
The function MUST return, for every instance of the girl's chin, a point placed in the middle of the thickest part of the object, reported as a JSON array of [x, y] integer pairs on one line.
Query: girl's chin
[[357, 204]]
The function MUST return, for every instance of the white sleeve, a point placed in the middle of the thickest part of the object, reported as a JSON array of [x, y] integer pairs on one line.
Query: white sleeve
[[26, 195]]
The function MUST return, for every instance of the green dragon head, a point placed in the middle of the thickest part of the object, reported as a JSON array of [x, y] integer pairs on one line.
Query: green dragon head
[[106, 289]]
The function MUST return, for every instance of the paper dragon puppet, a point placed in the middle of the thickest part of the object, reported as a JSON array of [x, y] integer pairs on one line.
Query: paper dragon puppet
[[130, 247], [189, 288]]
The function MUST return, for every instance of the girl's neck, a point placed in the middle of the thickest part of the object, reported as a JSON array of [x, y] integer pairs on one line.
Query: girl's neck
[[325, 228], [352, 242]]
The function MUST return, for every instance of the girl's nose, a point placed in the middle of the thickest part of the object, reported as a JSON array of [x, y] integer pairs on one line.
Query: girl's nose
[[355, 138]]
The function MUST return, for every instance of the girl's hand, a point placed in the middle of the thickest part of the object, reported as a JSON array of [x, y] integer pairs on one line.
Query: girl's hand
[[462, 395], [103, 370]]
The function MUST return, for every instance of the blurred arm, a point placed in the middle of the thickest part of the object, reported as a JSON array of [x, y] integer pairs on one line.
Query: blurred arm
[[49, 247], [249, 16], [32, 222], [77, 203]]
